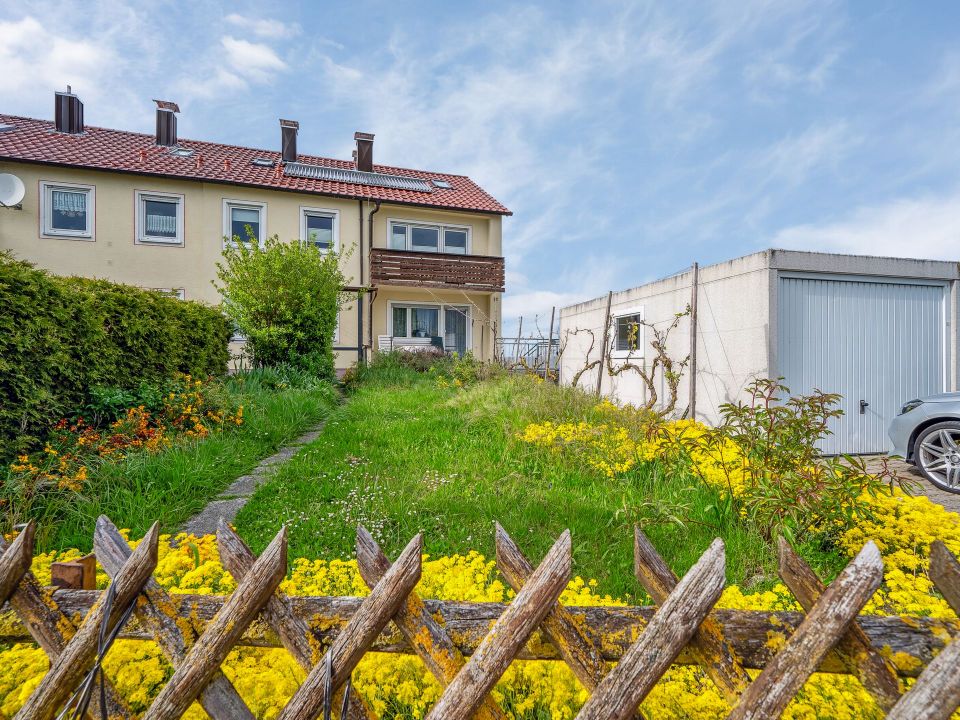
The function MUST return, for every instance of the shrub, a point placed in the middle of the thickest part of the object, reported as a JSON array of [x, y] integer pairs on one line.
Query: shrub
[[284, 298], [61, 337]]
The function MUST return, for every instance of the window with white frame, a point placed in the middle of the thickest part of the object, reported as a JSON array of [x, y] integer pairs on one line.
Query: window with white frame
[[159, 218], [427, 237], [320, 228], [447, 324], [67, 210], [178, 293], [244, 221], [628, 334]]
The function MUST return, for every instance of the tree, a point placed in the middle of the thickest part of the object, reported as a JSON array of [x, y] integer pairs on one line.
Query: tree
[[284, 299]]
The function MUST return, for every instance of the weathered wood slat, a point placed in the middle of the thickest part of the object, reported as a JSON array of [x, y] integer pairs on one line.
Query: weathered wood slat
[[708, 645], [293, 632], [15, 561], [823, 627], [463, 696], [861, 660], [421, 631], [674, 623], [51, 628], [352, 642], [208, 652], [68, 669], [936, 693], [747, 631], [482, 273], [580, 652], [158, 615]]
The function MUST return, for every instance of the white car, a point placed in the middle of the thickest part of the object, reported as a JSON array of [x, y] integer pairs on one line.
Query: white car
[[927, 434]]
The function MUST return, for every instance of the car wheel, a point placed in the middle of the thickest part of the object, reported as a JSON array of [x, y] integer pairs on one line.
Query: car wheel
[[937, 455]]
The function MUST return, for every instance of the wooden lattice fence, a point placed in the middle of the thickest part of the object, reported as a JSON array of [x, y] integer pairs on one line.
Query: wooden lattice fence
[[468, 646]]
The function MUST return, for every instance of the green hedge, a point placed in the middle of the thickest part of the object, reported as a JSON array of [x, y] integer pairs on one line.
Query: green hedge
[[59, 337]]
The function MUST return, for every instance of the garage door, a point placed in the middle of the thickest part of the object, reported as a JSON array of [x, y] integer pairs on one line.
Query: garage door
[[878, 344]]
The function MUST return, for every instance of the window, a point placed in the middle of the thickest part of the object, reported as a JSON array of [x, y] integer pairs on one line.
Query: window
[[320, 227], [67, 210], [244, 220], [628, 337], [447, 324], [178, 293], [423, 237], [159, 218]]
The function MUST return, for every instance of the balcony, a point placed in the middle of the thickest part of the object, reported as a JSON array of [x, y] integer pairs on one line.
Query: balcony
[[479, 273]]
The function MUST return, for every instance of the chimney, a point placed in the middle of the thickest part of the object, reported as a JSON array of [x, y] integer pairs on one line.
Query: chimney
[[167, 123], [364, 155], [288, 140], [68, 112]]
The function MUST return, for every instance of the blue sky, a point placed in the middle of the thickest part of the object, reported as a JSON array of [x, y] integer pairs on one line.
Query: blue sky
[[629, 139]]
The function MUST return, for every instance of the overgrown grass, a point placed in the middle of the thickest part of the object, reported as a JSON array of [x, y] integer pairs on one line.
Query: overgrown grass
[[406, 455], [174, 484]]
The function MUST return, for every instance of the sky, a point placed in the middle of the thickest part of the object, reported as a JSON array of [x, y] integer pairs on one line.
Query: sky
[[630, 139]]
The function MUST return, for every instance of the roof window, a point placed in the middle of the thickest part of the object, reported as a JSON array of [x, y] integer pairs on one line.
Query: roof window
[[181, 152], [6, 128], [262, 162], [442, 184]]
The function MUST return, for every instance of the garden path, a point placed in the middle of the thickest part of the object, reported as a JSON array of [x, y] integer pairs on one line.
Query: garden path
[[228, 503]]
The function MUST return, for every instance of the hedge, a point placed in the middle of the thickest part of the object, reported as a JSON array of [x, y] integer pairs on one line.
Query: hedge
[[60, 337]]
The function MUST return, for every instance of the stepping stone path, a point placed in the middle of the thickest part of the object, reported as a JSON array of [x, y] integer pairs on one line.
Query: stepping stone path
[[228, 503]]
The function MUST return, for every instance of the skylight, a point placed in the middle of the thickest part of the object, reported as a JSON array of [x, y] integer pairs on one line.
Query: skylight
[[442, 184], [181, 152], [355, 177], [262, 162], [6, 128]]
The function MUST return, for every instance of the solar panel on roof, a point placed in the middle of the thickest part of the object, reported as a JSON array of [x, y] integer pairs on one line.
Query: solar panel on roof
[[355, 177]]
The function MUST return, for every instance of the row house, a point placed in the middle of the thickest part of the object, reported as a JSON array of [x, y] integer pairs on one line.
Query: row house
[[425, 264]]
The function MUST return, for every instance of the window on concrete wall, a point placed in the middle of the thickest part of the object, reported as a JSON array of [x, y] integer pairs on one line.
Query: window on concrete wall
[[159, 218], [67, 210], [428, 237], [320, 228], [244, 221], [628, 334]]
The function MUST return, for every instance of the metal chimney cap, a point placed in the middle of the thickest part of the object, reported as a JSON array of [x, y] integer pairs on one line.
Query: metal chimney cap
[[289, 124], [363, 136], [167, 105]]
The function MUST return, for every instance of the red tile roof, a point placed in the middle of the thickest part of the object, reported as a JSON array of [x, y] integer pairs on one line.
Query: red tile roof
[[34, 140]]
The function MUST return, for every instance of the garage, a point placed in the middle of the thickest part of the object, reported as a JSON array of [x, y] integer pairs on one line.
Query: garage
[[876, 342], [876, 330]]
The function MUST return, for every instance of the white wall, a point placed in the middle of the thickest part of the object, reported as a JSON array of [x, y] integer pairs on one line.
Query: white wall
[[733, 333]]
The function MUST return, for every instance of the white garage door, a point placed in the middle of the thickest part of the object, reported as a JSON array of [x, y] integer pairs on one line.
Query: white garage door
[[876, 343]]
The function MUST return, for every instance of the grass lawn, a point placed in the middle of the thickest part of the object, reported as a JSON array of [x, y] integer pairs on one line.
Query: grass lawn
[[405, 455], [174, 484]]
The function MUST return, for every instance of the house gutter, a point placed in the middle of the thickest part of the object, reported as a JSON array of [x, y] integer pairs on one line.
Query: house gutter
[[373, 292]]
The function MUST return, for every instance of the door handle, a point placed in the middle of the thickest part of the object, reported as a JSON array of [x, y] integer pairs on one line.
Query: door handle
[[863, 407]]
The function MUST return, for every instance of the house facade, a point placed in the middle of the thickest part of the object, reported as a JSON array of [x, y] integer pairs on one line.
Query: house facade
[[878, 331], [421, 251]]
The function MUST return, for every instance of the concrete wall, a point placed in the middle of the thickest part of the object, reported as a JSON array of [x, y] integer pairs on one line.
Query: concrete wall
[[114, 254], [733, 337]]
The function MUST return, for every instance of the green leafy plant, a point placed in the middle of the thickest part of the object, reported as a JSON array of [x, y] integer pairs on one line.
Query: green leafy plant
[[284, 299], [777, 477]]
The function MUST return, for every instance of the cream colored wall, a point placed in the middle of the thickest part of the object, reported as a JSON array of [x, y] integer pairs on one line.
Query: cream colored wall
[[115, 255]]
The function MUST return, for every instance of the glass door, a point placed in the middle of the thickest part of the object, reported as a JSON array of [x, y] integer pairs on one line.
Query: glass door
[[455, 329]]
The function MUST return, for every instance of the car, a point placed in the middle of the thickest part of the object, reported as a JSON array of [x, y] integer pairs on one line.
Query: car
[[926, 433]]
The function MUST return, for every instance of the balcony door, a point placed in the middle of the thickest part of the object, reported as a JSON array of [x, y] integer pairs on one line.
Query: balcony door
[[455, 329]]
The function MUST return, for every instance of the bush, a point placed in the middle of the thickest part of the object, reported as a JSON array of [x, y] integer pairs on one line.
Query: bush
[[284, 298], [62, 337]]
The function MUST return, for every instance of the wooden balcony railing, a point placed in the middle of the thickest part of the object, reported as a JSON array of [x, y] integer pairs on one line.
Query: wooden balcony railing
[[482, 273]]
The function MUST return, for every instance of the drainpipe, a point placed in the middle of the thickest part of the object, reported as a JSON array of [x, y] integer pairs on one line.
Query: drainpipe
[[360, 353], [376, 209]]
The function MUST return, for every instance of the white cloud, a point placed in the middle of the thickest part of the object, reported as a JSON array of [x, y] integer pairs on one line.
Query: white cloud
[[922, 227], [252, 61], [794, 158], [264, 27], [35, 58]]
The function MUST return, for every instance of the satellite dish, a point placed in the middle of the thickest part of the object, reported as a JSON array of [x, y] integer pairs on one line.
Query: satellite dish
[[11, 190]]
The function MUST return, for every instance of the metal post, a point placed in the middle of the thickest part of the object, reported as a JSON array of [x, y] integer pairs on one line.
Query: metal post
[[603, 347], [694, 287]]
